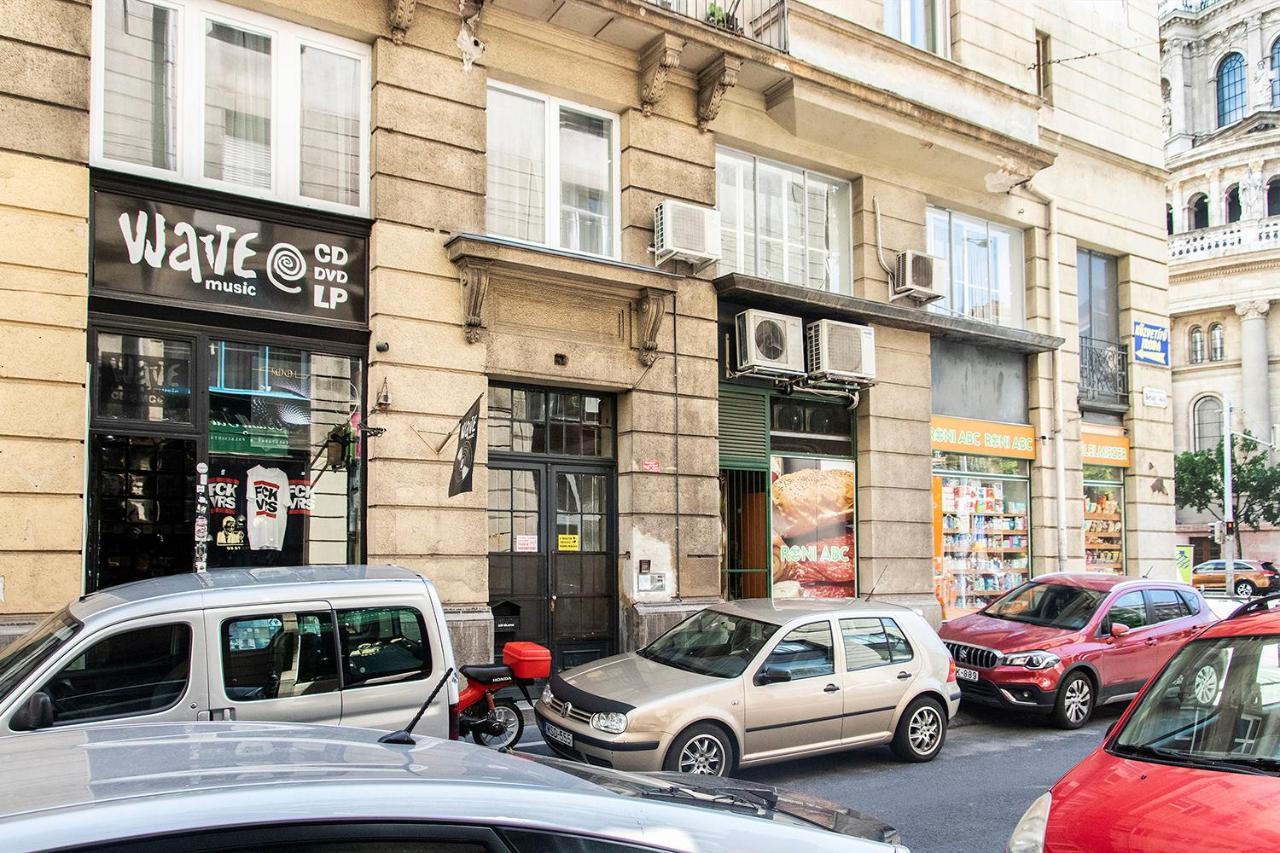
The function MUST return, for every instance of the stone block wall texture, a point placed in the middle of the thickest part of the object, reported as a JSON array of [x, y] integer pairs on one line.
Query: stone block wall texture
[[44, 256]]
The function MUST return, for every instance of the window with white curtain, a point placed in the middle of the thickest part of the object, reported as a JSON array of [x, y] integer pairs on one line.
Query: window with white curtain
[[984, 267], [782, 223], [552, 172], [917, 22], [1206, 423], [214, 95]]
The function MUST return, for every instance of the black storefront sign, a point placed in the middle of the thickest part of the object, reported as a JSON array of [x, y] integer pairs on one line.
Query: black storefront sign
[[164, 252], [464, 459]]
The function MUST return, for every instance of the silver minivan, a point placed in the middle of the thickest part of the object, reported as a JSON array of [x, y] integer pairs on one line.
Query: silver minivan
[[350, 645]]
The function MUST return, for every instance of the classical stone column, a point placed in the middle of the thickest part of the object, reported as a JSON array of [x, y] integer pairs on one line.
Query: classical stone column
[[1253, 367]]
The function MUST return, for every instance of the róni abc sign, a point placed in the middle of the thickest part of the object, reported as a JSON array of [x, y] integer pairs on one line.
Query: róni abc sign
[[164, 252]]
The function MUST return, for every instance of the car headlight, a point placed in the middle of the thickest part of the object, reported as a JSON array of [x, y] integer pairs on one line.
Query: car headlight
[[1028, 835], [1032, 660], [547, 695], [611, 722]]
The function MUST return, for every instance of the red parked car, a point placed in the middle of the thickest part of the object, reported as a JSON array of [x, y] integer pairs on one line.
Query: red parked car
[[1062, 644], [1191, 765]]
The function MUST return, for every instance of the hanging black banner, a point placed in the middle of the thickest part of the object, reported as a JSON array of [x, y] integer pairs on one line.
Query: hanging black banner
[[464, 460]]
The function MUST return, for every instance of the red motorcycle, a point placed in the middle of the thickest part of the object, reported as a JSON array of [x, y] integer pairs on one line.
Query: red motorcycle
[[498, 723]]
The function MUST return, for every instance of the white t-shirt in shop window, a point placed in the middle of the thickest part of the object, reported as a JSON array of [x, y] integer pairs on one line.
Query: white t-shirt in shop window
[[267, 498]]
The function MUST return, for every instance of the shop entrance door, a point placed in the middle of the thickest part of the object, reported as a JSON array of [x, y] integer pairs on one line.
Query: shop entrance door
[[553, 580]]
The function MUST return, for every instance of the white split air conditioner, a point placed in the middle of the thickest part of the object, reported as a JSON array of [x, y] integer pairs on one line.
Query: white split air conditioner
[[770, 343], [919, 276], [685, 232], [841, 352]]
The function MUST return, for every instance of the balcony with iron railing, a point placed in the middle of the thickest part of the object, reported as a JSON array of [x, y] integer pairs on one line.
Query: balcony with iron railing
[[761, 21], [1104, 374], [1220, 241]]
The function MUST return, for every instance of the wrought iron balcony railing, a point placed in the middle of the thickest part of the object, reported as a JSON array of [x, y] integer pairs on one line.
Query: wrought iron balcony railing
[[1104, 372], [762, 21]]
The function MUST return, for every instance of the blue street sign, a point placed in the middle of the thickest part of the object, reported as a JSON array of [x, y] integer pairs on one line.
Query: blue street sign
[[1150, 343]]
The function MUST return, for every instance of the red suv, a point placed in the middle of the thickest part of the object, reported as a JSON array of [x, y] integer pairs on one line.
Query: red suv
[[1063, 643], [1192, 764]]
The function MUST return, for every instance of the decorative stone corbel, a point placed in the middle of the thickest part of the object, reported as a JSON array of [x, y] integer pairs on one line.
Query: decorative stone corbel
[[662, 54], [475, 284], [716, 79], [651, 307], [401, 18]]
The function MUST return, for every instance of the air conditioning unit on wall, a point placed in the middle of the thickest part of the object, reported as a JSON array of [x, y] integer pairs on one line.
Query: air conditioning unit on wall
[[770, 343], [841, 352], [685, 232], [918, 276]]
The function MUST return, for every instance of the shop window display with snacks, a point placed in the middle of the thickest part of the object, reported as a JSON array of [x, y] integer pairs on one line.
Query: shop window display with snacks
[[1103, 519]]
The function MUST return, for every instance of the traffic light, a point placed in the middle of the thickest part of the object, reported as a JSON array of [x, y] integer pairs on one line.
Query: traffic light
[[1218, 531]]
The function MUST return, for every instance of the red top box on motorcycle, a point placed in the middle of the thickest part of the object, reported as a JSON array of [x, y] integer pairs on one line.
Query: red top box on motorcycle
[[528, 661]]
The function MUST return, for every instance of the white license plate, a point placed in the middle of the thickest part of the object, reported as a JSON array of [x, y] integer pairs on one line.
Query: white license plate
[[966, 674], [558, 734]]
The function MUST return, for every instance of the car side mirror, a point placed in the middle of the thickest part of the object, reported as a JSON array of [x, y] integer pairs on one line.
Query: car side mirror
[[1119, 629], [35, 713], [773, 675]]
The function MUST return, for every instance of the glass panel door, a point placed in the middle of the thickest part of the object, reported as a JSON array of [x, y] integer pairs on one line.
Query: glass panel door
[[518, 588], [581, 568]]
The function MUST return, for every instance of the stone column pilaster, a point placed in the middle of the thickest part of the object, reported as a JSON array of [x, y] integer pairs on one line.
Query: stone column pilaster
[[1253, 367], [1217, 205]]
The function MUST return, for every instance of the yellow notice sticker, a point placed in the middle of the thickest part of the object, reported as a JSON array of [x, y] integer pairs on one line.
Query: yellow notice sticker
[[567, 542]]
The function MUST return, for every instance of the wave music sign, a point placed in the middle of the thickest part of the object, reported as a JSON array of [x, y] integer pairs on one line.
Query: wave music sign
[[163, 252]]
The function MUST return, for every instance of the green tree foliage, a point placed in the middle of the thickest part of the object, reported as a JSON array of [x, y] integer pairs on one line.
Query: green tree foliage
[[1255, 482]]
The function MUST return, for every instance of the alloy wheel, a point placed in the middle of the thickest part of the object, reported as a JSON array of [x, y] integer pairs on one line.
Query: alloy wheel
[[507, 716], [1205, 685], [704, 755], [925, 729], [1078, 698], [1244, 590]]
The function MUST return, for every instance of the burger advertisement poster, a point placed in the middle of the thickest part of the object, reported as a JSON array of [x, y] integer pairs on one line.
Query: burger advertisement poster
[[813, 534]]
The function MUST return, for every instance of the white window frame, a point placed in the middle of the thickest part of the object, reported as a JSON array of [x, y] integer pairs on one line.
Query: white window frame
[[941, 11], [287, 41], [551, 169], [845, 251], [1017, 274]]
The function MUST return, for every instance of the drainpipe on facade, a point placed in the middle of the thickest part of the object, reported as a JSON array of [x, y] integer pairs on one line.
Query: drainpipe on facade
[[1055, 325]]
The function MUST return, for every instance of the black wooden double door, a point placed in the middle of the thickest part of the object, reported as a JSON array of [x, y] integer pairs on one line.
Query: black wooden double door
[[553, 558]]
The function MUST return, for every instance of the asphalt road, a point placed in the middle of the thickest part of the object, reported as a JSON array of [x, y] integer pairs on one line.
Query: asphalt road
[[967, 800]]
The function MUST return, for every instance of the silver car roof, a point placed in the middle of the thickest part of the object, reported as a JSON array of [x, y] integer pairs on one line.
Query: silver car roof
[[93, 785], [233, 587], [783, 610]]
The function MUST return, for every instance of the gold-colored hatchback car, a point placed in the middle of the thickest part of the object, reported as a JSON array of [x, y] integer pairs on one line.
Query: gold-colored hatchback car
[[752, 682]]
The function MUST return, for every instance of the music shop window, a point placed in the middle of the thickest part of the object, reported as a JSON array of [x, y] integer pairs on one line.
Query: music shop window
[[277, 426], [787, 497]]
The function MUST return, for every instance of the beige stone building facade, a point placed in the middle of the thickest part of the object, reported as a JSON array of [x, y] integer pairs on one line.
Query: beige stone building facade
[[376, 214], [1222, 92]]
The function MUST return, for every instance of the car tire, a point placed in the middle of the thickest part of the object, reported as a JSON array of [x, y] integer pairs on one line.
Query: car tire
[[703, 748], [508, 712], [922, 729], [1076, 700], [1245, 589]]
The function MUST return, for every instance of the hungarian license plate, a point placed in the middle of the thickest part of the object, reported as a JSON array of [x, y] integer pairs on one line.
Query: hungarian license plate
[[966, 674], [558, 734]]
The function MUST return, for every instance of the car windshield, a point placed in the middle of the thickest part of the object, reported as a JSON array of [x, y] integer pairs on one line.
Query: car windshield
[[1054, 605], [711, 643], [20, 658], [1216, 706]]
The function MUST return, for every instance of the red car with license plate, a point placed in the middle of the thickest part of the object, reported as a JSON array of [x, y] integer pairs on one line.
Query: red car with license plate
[[1194, 763], [1062, 644]]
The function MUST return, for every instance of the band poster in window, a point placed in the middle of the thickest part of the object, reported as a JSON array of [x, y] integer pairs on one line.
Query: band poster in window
[[259, 511], [813, 535]]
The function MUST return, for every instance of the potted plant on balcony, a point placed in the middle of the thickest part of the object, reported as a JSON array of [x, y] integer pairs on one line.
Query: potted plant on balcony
[[718, 16]]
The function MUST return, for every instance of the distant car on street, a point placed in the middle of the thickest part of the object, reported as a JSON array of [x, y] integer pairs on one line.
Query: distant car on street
[[1251, 577], [323, 789], [752, 682], [1062, 644], [1192, 765]]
